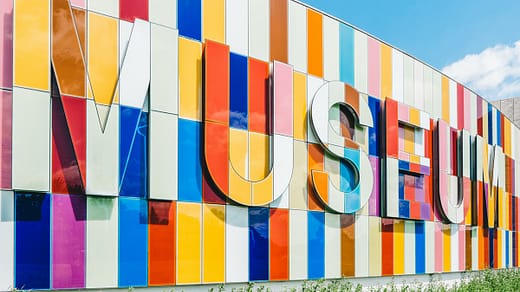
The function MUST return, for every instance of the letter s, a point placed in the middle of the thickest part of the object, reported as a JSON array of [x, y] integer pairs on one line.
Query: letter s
[[344, 148]]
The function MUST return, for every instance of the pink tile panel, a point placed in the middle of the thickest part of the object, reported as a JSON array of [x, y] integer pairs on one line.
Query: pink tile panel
[[78, 3], [283, 99], [6, 47], [438, 247], [404, 112], [462, 247], [374, 60], [6, 114], [401, 140]]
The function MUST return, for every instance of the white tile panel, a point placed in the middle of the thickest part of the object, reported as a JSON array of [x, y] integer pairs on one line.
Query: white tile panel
[[510, 238], [332, 245], [163, 156], [237, 244], [436, 95], [419, 142], [163, 12], [125, 32], [513, 139], [425, 120], [332, 166], [505, 237], [101, 242], [282, 163], [454, 247], [7, 239], [313, 84], [134, 77], [237, 26], [408, 81], [392, 187], [297, 39], [465, 158], [494, 127], [453, 103], [517, 146], [319, 116], [360, 61], [474, 248], [330, 49], [409, 247], [418, 77], [517, 178], [164, 95], [361, 246], [102, 151], [428, 89], [282, 202], [107, 7], [473, 113], [31, 140], [297, 245], [397, 75], [259, 29], [429, 241]]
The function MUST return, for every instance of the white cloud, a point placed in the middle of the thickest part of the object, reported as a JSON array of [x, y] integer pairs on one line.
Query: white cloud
[[493, 73]]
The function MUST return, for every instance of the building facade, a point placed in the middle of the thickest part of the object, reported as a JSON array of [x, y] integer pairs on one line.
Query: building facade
[[162, 143]]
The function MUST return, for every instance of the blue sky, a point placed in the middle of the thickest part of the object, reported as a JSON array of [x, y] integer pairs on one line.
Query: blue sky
[[473, 41]]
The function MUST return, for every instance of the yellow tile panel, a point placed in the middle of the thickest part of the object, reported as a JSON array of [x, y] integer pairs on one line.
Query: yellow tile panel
[[190, 79], [415, 159], [31, 44], [445, 99], [103, 61], [258, 156], [300, 106], [214, 239], [415, 117], [214, 23], [468, 219], [188, 243], [398, 247], [409, 139], [262, 192], [386, 71], [446, 247], [374, 250], [238, 152], [239, 188], [507, 137], [500, 250]]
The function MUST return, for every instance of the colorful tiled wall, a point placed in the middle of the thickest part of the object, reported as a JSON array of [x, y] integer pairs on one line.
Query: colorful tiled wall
[[151, 143]]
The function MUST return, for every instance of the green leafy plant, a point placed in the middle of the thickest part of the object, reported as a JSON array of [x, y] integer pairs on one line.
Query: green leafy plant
[[488, 280]]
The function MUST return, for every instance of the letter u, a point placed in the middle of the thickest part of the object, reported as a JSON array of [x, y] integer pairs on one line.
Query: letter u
[[219, 116]]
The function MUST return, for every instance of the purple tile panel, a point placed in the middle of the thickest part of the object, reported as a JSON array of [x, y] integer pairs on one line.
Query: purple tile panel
[[68, 241], [373, 201]]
